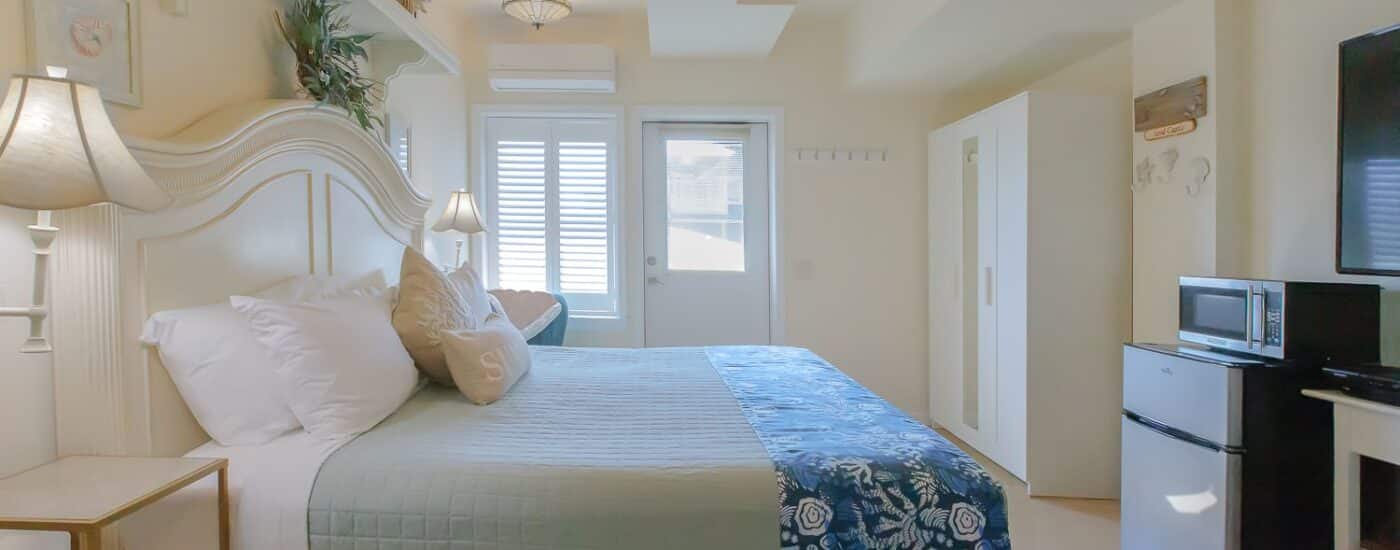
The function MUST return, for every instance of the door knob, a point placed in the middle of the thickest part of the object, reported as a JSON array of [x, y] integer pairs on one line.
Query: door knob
[[651, 261]]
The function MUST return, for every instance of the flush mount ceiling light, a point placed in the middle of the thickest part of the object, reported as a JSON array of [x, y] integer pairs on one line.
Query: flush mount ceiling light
[[538, 12]]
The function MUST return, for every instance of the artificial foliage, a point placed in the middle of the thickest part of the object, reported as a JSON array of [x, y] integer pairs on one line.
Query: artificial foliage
[[328, 56]]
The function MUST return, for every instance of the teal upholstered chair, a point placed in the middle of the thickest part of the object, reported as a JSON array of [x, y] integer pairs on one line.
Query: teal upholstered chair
[[553, 335]]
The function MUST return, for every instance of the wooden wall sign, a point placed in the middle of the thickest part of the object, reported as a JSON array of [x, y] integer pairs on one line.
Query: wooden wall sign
[[1170, 105], [1178, 129]]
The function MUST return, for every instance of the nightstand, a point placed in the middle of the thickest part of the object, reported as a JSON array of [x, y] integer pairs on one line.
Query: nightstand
[[83, 494]]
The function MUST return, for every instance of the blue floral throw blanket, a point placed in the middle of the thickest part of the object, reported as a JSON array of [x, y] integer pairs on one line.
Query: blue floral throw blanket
[[853, 471]]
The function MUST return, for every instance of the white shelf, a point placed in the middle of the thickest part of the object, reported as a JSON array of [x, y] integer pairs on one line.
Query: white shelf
[[1344, 399], [401, 44]]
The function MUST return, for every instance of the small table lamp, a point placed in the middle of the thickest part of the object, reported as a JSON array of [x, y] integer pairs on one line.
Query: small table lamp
[[59, 150], [461, 216]]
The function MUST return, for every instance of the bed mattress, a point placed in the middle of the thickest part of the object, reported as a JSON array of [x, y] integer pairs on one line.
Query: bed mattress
[[736, 448], [594, 449]]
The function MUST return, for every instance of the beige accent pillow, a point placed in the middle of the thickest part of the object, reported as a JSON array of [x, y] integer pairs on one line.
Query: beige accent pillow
[[487, 362], [428, 305]]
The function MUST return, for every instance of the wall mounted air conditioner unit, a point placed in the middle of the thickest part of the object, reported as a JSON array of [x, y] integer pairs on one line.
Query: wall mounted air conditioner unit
[[576, 68]]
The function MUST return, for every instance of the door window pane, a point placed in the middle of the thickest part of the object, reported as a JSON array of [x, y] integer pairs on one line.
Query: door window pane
[[705, 205]]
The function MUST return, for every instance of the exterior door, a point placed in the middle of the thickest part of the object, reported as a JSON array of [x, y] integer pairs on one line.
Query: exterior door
[[706, 234]]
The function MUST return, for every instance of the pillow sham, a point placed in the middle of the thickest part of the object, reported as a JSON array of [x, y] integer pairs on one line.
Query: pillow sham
[[430, 303], [487, 362], [223, 373], [306, 288], [472, 289], [342, 364]]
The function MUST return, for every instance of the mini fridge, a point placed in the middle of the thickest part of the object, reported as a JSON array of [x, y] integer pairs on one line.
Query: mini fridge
[[1222, 452]]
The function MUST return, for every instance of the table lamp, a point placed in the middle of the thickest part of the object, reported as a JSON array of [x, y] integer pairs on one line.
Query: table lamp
[[461, 216], [59, 150]]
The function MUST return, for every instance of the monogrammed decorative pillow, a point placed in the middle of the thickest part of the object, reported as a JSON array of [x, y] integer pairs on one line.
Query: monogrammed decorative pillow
[[485, 363], [429, 304]]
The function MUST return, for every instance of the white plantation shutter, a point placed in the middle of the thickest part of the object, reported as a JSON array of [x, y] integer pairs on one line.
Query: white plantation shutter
[[1381, 189], [521, 215], [583, 217], [551, 188], [402, 144]]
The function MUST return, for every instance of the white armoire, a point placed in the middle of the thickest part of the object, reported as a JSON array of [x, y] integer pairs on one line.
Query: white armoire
[[1030, 286]]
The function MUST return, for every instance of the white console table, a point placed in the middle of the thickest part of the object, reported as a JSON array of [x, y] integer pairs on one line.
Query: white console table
[[1362, 428]]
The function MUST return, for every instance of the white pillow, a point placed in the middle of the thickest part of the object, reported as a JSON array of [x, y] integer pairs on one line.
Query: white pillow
[[223, 373], [342, 364], [225, 376]]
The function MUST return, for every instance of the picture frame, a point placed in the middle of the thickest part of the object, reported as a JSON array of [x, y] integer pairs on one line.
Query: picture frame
[[98, 41]]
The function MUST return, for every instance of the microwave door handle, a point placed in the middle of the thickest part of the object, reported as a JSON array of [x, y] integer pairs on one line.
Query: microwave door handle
[[1249, 318], [1256, 317]]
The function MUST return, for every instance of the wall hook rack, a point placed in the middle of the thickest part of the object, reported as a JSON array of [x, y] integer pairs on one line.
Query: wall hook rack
[[842, 154]]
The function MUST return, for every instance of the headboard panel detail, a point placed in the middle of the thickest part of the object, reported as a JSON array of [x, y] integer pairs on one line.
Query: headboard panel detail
[[263, 192]]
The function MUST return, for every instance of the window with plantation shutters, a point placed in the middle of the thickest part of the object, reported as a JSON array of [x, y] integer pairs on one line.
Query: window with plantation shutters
[[550, 199]]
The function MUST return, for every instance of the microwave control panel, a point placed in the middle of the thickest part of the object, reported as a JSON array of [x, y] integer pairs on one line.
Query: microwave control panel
[[1273, 319]]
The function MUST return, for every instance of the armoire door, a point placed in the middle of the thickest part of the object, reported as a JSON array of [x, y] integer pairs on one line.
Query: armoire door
[[963, 229]]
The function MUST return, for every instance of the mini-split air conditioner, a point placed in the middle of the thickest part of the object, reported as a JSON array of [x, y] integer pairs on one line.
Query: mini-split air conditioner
[[573, 68]]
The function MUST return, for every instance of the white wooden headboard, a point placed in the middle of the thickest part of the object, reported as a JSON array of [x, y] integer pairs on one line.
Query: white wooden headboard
[[263, 191]]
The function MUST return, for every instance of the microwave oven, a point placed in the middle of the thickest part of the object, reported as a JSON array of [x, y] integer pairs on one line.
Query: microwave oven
[[1281, 319]]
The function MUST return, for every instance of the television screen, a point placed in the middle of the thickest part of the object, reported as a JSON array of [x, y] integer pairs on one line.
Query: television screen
[[1368, 210]]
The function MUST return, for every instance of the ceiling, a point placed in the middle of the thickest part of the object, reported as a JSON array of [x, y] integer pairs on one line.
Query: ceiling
[[947, 46], [689, 28], [933, 46], [818, 7]]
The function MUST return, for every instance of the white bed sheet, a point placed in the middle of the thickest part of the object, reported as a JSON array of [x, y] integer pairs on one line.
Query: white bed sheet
[[269, 486]]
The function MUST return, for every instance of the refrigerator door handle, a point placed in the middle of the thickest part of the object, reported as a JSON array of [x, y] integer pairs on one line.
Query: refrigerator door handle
[[1179, 435]]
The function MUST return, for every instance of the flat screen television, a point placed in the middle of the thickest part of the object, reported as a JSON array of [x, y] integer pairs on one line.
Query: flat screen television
[[1368, 155]]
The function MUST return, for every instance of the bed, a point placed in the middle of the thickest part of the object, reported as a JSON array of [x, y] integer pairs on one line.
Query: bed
[[725, 447]]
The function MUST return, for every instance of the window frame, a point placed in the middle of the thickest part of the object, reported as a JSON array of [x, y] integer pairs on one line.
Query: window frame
[[480, 254]]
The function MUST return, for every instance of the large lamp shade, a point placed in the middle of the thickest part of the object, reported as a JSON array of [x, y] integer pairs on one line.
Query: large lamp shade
[[59, 150], [461, 215]]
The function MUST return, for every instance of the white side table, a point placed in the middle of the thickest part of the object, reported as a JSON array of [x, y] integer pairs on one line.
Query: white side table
[[83, 494], [1362, 428]]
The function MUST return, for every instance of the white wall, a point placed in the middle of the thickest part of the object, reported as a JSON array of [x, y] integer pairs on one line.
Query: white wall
[[1293, 134], [1269, 209], [223, 53], [1108, 72], [853, 234], [26, 384], [1173, 234], [26, 381]]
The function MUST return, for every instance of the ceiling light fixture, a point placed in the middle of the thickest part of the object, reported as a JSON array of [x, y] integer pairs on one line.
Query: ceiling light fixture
[[538, 12]]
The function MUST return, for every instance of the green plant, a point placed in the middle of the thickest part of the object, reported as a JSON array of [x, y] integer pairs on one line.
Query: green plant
[[328, 59]]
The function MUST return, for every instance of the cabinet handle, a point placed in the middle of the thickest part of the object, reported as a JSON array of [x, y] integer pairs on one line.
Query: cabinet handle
[[987, 272]]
